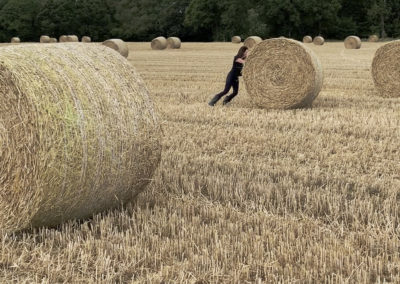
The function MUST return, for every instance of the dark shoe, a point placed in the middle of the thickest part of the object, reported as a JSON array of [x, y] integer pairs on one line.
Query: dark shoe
[[211, 103]]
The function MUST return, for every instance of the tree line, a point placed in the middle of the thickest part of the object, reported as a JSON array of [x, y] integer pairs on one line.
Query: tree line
[[198, 20]]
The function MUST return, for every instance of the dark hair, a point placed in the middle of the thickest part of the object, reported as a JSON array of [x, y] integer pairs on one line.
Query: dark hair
[[241, 51]]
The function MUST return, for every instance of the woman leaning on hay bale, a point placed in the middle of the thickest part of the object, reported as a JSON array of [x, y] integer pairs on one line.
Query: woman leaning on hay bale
[[232, 80]]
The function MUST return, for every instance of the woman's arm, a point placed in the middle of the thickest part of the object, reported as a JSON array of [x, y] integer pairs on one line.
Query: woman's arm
[[241, 60]]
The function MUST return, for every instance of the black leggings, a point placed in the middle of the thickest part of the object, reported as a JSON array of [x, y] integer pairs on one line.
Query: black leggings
[[232, 81]]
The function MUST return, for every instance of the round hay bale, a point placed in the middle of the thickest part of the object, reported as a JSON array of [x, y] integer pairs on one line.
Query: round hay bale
[[53, 40], [118, 45], [78, 133], [174, 42], [282, 74], [236, 39], [15, 40], [319, 40], [159, 43], [352, 42], [373, 38], [307, 39], [72, 38], [63, 38], [86, 39], [252, 41], [44, 39], [386, 70]]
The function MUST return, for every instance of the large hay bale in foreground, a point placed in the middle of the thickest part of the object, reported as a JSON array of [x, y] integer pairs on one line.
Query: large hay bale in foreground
[[307, 39], [352, 42], [174, 42], [282, 74], [53, 40], [386, 70], [15, 40], [63, 38], [236, 39], [252, 41], [118, 45], [86, 39], [373, 38], [72, 38], [159, 43], [319, 40], [78, 133], [44, 39]]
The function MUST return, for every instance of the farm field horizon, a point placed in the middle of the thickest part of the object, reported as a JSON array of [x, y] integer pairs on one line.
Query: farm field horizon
[[243, 194]]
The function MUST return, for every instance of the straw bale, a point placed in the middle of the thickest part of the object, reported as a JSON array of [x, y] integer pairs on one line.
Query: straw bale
[[307, 39], [159, 43], [282, 74], [44, 39], [174, 42], [386, 70], [72, 38], [78, 133], [352, 42], [236, 39], [53, 40], [86, 39], [251, 41], [15, 40], [63, 38], [373, 38], [319, 40], [118, 45]]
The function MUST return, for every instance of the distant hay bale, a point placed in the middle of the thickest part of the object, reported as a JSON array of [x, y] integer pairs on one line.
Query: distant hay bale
[[236, 39], [252, 41], [86, 39], [307, 39], [78, 133], [63, 38], [319, 40], [72, 38], [15, 40], [373, 38], [159, 43], [118, 45], [174, 42], [282, 74], [53, 40], [352, 42], [386, 70], [44, 39]]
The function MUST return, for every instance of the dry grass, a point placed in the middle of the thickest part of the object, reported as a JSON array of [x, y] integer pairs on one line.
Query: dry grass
[[244, 195]]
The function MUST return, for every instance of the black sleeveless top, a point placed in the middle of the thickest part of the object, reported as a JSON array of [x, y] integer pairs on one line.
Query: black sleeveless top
[[237, 67]]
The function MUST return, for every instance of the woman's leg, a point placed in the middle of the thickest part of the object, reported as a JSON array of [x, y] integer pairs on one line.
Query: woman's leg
[[228, 86], [235, 86]]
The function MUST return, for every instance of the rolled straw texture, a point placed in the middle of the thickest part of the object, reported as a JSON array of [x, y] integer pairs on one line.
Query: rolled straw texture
[[282, 74], [78, 133], [15, 40], [53, 40], [72, 38], [307, 39], [373, 38], [63, 38], [386, 70], [174, 42], [319, 40], [86, 39], [118, 45], [236, 39], [251, 41], [44, 39], [159, 43], [352, 42]]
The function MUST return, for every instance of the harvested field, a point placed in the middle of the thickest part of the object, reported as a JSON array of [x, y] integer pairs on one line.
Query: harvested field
[[243, 194]]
